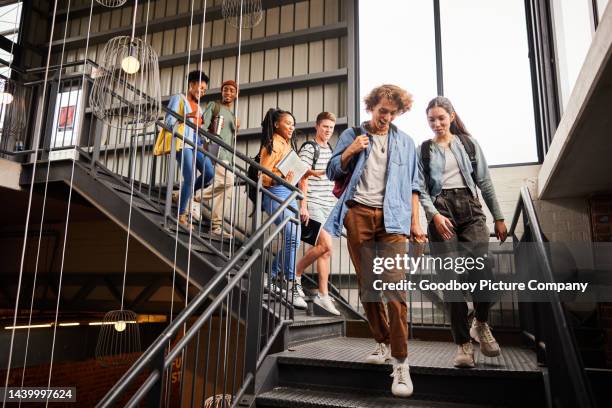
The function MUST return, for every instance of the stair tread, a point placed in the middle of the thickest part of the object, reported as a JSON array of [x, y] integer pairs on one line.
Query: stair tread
[[424, 357], [294, 397]]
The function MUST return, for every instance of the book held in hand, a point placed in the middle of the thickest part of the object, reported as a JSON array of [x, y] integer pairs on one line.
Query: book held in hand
[[292, 162]]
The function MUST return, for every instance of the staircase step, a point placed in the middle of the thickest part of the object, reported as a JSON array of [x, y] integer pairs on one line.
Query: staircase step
[[306, 328], [287, 397], [339, 362]]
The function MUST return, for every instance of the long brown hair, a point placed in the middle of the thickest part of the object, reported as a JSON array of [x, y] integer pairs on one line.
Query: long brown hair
[[457, 126]]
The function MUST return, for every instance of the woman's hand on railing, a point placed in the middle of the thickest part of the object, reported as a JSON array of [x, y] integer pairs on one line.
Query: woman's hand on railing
[[501, 232]]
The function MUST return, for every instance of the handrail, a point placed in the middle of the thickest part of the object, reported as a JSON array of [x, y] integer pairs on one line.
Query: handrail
[[160, 343], [571, 357]]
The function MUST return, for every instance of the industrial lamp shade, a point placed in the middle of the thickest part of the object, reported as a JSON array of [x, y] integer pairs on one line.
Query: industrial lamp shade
[[112, 3], [126, 92], [12, 110], [119, 338], [249, 9]]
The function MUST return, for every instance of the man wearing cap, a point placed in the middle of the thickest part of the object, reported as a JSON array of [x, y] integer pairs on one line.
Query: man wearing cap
[[219, 119]]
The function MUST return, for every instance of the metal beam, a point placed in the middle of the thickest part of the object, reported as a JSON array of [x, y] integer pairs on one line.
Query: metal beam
[[438, 37], [352, 17], [341, 123], [279, 84], [147, 292], [83, 10], [160, 24], [273, 41]]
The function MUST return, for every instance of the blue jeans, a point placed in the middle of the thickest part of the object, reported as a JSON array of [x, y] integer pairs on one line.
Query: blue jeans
[[204, 166], [291, 232]]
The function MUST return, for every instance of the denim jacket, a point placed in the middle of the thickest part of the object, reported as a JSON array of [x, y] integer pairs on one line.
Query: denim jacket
[[402, 180], [437, 163], [178, 103]]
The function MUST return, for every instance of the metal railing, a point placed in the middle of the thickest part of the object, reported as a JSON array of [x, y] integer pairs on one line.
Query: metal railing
[[129, 156], [214, 346], [544, 324]]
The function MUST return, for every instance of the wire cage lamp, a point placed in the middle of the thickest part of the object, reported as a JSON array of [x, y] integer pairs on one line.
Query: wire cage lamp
[[119, 338], [250, 11], [13, 97], [112, 3], [126, 92]]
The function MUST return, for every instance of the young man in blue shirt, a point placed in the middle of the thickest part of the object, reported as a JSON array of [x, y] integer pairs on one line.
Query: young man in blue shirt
[[379, 204]]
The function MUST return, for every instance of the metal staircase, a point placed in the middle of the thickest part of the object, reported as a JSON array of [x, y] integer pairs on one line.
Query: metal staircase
[[240, 341]]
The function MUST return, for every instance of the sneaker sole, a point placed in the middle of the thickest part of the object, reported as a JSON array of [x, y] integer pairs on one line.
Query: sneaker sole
[[464, 365], [335, 313], [485, 353], [378, 362]]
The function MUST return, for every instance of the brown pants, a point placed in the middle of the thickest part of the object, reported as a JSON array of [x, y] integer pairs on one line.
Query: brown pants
[[365, 224]]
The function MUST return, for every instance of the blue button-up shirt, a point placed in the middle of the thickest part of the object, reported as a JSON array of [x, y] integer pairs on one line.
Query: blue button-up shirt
[[437, 163], [402, 180]]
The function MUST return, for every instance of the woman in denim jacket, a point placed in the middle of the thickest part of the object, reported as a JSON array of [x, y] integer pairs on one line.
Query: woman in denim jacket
[[454, 214]]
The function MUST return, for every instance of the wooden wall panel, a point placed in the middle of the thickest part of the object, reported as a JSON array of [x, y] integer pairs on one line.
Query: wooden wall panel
[[270, 64]]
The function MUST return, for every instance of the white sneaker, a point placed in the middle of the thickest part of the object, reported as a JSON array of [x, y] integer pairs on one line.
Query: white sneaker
[[402, 383], [326, 303], [273, 286], [380, 355], [300, 289], [298, 301]]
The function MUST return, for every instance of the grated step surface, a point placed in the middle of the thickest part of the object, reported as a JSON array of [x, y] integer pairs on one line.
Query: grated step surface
[[422, 356], [308, 398]]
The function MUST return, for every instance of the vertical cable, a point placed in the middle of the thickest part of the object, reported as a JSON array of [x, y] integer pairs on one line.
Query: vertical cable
[[25, 359], [35, 145]]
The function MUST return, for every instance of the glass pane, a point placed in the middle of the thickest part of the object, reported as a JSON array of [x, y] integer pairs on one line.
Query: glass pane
[[487, 75], [399, 48], [601, 7], [10, 18], [573, 30]]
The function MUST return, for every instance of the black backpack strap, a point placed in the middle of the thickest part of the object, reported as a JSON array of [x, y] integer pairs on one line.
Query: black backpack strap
[[315, 155], [470, 149], [426, 159]]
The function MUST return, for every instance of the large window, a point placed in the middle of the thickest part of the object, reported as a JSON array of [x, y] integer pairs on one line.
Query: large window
[[485, 59], [484, 62], [601, 6], [396, 46], [573, 32], [10, 18]]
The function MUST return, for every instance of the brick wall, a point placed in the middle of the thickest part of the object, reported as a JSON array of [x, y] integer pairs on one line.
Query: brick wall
[[91, 380], [601, 224]]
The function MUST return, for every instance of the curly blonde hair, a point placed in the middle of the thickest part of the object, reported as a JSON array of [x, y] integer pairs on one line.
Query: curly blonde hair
[[397, 95]]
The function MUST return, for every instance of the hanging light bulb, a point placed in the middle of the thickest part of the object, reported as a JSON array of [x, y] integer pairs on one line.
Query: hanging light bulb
[[120, 325], [6, 98], [126, 93], [130, 64]]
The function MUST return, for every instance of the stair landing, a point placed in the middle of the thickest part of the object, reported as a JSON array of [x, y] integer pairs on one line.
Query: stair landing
[[422, 356]]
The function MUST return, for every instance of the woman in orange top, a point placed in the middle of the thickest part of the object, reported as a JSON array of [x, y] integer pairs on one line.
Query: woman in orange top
[[277, 129]]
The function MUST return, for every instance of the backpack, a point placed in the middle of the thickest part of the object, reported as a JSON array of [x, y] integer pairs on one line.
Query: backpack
[[470, 149], [342, 183], [317, 151], [253, 174]]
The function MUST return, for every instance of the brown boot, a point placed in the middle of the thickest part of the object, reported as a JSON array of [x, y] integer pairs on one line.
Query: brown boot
[[481, 332], [465, 356], [184, 221]]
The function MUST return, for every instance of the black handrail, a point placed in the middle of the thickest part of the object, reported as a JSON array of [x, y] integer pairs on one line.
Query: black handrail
[[161, 342], [575, 374]]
